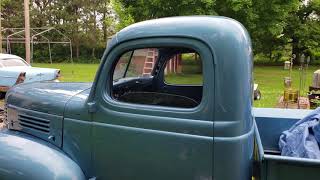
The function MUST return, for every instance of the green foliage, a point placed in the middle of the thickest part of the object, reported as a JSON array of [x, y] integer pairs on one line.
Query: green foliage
[[150, 9], [264, 19], [303, 28], [11, 13], [85, 22], [272, 24], [125, 18], [278, 28]]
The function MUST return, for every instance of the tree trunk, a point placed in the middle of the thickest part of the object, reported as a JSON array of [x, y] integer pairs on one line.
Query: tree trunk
[[95, 33], [295, 51], [93, 54], [77, 50], [104, 27], [270, 55]]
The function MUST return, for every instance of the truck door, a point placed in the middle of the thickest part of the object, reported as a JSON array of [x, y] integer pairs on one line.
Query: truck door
[[143, 134]]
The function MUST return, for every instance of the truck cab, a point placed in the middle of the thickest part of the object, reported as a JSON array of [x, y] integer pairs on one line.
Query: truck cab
[[132, 122]]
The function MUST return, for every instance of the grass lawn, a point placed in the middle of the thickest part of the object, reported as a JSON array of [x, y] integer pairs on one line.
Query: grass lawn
[[195, 79], [73, 72], [270, 79]]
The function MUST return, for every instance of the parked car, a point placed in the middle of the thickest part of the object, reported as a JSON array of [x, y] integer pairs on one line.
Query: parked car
[[15, 70], [128, 125]]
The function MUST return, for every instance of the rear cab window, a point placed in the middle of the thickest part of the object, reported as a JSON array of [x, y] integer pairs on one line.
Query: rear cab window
[[170, 77], [186, 70]]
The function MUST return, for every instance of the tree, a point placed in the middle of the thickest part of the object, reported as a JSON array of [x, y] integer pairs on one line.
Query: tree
[[87, 22], [264, 19], [123, 15], [274, 25], [107, 20], [150, 9], [41, 12], [12, 13], [303, 28]]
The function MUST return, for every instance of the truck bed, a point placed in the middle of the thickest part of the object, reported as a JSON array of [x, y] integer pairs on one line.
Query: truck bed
[[270, 123]]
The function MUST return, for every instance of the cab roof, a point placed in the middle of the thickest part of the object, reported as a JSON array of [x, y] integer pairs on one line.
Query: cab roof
[[199, 27]]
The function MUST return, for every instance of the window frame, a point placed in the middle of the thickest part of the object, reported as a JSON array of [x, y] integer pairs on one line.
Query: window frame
[[105, 83]]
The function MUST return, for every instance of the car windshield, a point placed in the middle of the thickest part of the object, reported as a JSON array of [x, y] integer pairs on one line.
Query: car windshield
[[12, 62]]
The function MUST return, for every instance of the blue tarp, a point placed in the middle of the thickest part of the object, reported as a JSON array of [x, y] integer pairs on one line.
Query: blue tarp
[[303, 138]]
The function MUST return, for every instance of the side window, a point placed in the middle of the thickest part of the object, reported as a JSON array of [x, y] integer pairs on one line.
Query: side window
[[122, 64], [136, 63], [136, 72], [184, 69], [142, 62]]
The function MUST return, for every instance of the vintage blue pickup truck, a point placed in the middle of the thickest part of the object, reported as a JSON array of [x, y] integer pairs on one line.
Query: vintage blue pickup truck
[[130, 123]]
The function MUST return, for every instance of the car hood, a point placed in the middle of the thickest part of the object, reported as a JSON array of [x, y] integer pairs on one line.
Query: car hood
[[46, 97]]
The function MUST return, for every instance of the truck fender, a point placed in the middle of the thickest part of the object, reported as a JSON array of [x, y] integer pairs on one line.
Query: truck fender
[[24, 157]]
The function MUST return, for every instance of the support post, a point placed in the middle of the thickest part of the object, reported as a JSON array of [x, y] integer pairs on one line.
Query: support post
[[50, 52], [27, 29], [71, 55], [0, 26]]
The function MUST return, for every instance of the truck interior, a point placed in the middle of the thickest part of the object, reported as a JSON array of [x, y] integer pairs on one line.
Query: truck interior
[[139, 77]]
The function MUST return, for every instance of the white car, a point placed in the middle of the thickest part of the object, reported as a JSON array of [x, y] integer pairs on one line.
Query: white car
[[15, 70]]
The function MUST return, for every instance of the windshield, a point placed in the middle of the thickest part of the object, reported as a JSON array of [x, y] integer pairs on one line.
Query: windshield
[[12, 62], [135, 63]]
